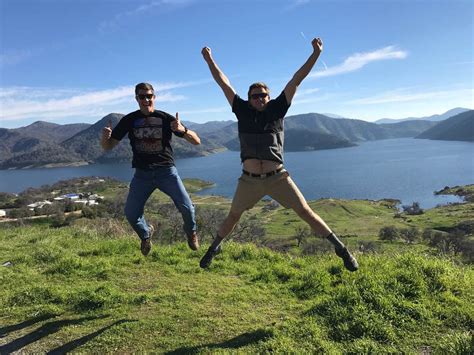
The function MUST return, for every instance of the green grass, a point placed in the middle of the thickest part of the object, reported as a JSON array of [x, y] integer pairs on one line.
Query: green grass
[[193, 185], [70, 289]]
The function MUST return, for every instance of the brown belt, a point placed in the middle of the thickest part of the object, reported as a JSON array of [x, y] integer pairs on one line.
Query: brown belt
[[263, 176]]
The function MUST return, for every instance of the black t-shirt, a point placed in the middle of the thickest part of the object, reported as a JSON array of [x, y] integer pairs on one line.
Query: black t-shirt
[[261, 133], [150, 138]]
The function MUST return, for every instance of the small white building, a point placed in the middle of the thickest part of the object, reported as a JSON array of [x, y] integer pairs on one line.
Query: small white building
[[84, 202], [39, 204], [71, 196], [3, 213]]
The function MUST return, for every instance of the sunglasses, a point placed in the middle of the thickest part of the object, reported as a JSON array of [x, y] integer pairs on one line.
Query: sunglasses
[[147, 96], [261, 95]]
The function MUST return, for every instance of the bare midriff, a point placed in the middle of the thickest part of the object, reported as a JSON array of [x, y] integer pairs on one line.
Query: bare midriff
[[257, 166]]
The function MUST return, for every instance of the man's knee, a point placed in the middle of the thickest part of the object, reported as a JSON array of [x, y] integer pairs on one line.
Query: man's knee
[[132, 213], [185, 208]]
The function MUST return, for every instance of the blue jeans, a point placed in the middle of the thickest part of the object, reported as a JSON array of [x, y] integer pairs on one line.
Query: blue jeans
[[143, 184]]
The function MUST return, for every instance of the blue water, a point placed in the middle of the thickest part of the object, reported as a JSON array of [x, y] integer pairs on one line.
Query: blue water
[[405, 169]]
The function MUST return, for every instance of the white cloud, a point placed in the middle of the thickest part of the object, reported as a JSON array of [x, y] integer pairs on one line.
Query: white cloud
[[296, 3], [112, 24], [306, 92], [14, 56], [312, 99], [360, 60], [406, 95], [44, 103]]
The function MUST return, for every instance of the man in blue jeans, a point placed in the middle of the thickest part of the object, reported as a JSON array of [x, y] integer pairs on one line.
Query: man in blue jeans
[[150, 132]]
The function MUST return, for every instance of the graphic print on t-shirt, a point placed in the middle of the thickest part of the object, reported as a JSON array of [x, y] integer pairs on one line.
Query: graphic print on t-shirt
[[148, 134]]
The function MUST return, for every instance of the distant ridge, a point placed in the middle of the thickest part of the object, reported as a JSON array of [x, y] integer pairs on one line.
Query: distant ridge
[[333, 115], [52, 132], [457, 128], [49, 144], [432, 118], [36, 136]]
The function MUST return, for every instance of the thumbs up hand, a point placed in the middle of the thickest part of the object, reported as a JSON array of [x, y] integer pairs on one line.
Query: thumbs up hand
[[107, 131], [176, 125]]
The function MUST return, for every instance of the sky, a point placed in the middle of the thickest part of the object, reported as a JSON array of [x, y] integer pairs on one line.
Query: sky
[[75, 61]]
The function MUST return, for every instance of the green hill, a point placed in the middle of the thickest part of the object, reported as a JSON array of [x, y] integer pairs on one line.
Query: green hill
[[456, 128], [87, 288], [72, 289], [43, 143]]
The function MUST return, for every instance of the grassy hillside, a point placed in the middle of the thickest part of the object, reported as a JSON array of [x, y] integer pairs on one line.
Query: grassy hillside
[[87, 288], [90, 290]]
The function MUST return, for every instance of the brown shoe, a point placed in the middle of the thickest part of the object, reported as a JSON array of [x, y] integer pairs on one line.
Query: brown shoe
[[146, 243], [193, 241]]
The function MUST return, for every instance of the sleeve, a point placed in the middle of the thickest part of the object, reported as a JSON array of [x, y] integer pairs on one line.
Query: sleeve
[[179, 134], [121, 129], [280, 106], [239, 106]]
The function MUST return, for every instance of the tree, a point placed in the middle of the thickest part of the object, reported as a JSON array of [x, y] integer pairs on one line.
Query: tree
[[248, 230], [301, 234], [389, 233], [58, 220], [413, 209], [89, 212], [116, 206], [49, 210], [208, 220], [20, 213], [172, 221], [409, 235]]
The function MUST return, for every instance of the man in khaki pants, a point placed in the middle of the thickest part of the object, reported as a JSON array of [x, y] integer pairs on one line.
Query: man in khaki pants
[[261, 135]]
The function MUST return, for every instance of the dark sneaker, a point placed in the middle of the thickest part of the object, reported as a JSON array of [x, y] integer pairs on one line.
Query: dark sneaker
[[146, 243], [207, 258], [193, 241], [146, 246], [350, 262]]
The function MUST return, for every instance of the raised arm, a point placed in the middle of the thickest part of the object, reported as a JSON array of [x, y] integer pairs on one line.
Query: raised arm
[[218, 75], [290, 88]]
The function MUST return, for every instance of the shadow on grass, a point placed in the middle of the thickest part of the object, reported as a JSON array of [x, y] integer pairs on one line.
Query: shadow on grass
[[234, 343], [41, 332], [25, 324], [81, 341]]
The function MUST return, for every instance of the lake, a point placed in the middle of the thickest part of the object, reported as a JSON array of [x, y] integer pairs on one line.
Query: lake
[[405, 169]]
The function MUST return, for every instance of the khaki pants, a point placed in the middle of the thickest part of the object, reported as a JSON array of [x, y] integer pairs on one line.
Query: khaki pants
[[280, 187]]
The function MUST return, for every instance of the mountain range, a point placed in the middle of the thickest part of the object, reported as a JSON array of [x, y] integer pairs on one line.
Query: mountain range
[[459, 128], [49, 144], [432, 118]]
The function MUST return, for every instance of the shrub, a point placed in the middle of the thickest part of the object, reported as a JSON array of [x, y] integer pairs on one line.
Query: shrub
[[368, 247], [413, 209], [389, 233], [409, 235], [317, 246], [89, 212], [301, 234]]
